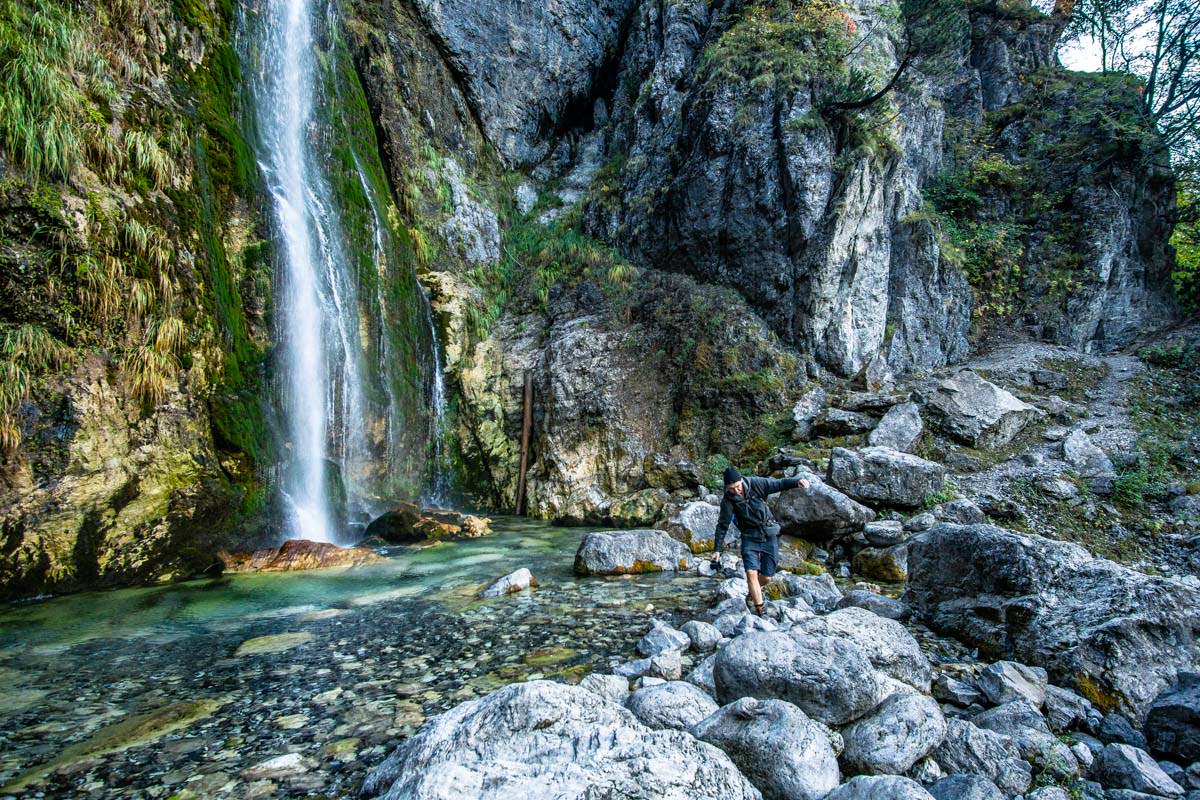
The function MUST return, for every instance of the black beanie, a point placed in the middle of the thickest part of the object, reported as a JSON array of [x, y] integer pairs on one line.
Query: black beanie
[[732, 476]]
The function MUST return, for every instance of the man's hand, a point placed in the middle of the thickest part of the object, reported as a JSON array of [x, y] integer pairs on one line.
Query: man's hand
[[716, 557], [803, 483]]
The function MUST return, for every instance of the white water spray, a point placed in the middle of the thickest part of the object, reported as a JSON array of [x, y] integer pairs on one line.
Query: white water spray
[[316, 310]]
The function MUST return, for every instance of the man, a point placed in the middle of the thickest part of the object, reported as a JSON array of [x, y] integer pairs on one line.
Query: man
[[746, 501]]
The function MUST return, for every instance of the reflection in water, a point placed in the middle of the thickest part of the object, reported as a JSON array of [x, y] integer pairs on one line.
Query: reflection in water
[[372, 651]]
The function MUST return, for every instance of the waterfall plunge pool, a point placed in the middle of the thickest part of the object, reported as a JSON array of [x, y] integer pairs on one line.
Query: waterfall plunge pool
[[184, 691]]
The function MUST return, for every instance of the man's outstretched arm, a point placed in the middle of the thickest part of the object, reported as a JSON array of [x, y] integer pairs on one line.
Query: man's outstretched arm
[[783, 484], [723, 521]]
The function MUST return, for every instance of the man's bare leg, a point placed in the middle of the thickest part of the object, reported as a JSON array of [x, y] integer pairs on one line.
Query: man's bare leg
[[754, 581]]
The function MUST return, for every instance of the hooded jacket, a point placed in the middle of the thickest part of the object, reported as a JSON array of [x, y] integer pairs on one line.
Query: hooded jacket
[[753, 515]]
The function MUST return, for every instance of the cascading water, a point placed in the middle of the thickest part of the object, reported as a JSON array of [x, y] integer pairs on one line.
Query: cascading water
[[345, 309], [441, 487]]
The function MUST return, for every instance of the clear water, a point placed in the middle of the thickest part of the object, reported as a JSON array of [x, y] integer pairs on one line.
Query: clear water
[[401, 639]]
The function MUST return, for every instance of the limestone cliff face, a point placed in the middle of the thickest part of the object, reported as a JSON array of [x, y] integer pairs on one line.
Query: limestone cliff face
[[844, 242]]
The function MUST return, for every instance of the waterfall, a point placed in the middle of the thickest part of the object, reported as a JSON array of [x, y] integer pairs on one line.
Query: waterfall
[[441, 486], [332, 324]]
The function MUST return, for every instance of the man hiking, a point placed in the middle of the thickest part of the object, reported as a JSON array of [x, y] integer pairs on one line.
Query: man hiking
[[745, 500]]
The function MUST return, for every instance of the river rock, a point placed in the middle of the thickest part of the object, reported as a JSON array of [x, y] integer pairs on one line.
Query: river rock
[[776, 746], [297, 554], [662, 637], [1089, 461], [1173, 723], [674, 704], [1021, 722], [965, 787], [886, 607], [969, 749], [513, 582], [818, 591], [805, 411], [820, 511], [879, 787], [1121, 766], [977, 412], [885, 532], [630, 552], [888, 564], [958, 692], [1005, 681], [548, 739], [902, 730], [703, 636], [900, 429], [887, 644], [881, 476], [1117, 635], [408, 523], [830, 679], [695, 524]]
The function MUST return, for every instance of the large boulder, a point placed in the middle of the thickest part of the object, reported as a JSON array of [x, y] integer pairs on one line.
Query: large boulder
[[1027, 728], [880, 476], [783, 752], [830, 679], [965, 787], [662, 637], [661, 472], [1005, 681], [1173, 724], [703, 636], [551, 740], [695, 524], [969, 749], [674, 704], [900, 429], [977, 412], [805, 411], [819, 592], [888, 564], [819, 512], [629, 552], [1120, 766], [879, 787], [1089, 461], [408, 523], [1116, 635], [888, 645], [893, 737]]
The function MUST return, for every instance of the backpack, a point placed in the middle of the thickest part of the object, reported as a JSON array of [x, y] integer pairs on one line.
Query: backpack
[[754, 517]]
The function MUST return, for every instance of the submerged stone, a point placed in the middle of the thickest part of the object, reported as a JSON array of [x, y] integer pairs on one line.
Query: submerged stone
[[274, 643]]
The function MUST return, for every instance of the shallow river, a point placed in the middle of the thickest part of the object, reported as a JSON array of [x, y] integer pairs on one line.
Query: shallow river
[[184, 691]]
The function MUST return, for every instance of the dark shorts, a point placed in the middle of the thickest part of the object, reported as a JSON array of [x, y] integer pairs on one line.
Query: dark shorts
[[762, 557]]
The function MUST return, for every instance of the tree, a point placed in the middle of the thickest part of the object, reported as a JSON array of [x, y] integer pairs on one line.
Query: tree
[[1159, 42], [933, 29]]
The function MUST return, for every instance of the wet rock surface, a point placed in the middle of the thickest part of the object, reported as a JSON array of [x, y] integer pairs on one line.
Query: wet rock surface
[[298, 554]]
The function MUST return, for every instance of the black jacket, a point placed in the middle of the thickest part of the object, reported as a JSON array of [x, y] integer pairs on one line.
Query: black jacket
[[753, 515]]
